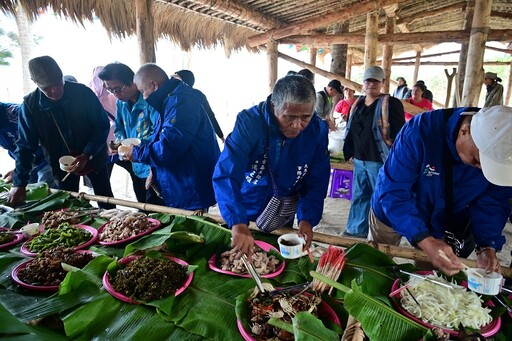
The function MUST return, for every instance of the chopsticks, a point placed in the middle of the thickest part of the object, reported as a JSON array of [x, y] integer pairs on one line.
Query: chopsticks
[[466, 267], [427, 279], [252, 271], [404, 286]]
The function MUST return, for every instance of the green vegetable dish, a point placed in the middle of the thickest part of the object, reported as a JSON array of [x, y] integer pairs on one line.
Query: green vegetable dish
[[6, 238], [64, 235]]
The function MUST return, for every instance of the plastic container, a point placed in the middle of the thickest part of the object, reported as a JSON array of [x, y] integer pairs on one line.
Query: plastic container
[[129, 141], [30, 230], [65, 163], [336, 141], [290, 245], [484, 283]]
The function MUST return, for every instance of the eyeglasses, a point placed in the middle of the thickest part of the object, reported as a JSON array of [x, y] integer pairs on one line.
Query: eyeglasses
[[116, 90]]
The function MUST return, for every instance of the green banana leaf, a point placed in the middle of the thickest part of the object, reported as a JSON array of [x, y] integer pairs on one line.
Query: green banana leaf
[[306, 327]]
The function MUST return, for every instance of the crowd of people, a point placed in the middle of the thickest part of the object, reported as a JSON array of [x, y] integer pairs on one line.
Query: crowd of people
[[443, 179]]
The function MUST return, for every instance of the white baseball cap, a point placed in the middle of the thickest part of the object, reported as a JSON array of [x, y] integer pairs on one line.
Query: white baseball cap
[[491, 129]]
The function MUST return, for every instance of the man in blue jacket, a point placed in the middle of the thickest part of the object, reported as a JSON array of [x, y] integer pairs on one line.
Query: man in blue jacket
[[442, 186], [184, 150], [66, 118], [277, 148]]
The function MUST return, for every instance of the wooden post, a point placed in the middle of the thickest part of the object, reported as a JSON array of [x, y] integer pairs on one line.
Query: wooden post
[[509, 87], [474, 70], [348, 72], [339, 51], [387, 54], [312, 58], [449, 88], [371, 38], [145, 32], [416, 67], [272, 63], [463, 56]]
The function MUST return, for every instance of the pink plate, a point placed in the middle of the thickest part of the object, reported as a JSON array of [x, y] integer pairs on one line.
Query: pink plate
[[18, 238], [156, 225], [24, 248], [488, 330], [126, 260], [17, 280], [212, 263], [325, 312]]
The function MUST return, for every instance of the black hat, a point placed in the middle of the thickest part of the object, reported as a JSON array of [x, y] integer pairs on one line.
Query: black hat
[[187, 77], [335, 84], [45, 71]]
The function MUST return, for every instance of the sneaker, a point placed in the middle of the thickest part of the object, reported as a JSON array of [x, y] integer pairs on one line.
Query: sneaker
[[350, 235]]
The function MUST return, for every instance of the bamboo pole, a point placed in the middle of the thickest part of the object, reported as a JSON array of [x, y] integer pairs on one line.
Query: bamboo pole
[[390, 250], [371, 38], [387, 54], [474, 70], [417, 64], [145, 31], [463, 56], [272, 64], [449, 88], [312, 58], [348, 72], [509, 87]]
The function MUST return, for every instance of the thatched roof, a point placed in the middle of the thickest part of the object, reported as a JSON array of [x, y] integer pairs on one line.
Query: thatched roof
[[229, 23]]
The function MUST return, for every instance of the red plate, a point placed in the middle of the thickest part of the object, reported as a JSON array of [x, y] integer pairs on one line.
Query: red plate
[[212, 263], [126, 260], [17, 280], [18, 238], [156, 225], [94, 235], [488, 330], [325, 313]]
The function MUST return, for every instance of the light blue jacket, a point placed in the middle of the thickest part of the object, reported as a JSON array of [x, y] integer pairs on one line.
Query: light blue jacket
[[138, 121], [410, 195], [184, 148], [242, 182]]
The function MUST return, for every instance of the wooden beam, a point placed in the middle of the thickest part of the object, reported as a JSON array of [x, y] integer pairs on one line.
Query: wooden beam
[[387, 53], [145, 31], [329, 75], [502, 15], [238, 11], [463, 56], [474, 69], [435, 37], [423, 56], [498, 49], [272, 64], [429, 14], [417, 64], [509, 87], [447, 63], [321, 20], [371, 38]]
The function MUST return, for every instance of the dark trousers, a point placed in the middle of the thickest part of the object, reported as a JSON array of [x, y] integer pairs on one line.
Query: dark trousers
[[99, 180]]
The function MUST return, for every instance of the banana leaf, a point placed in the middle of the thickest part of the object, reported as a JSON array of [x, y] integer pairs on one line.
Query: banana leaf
[[306, 327]]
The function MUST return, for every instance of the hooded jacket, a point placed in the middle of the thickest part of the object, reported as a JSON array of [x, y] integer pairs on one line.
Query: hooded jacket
[[242, 182], [184, 149], [410, 191]]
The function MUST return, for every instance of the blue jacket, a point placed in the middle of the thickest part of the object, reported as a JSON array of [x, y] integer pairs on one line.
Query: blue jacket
[[9, 114], [241, 180], [184, 149], [81, 119], [409, 195], [138, 121]]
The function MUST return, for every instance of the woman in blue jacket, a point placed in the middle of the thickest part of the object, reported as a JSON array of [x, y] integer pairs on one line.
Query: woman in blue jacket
[[445, 178], [282, 136]]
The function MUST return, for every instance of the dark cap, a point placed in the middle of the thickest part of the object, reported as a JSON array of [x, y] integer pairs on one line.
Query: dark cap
[[335, 84], [401, 79], [187, 77], [44, 71]]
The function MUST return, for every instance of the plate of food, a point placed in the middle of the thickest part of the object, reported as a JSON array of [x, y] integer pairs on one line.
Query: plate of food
[[126, 229], [267, 265], [438, 306], [45, 273], [53, 219], [9, 238], [65, 235], [261, 307], [135, 281]]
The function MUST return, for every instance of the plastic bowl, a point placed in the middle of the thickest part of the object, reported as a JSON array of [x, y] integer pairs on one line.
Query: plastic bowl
[[65, 162], [129, 141], [30, 230], [290, 245], [484, 283]]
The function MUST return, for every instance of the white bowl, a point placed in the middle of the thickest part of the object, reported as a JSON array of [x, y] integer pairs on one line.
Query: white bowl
[[484, 283], [132, 140], [65, 163], [290, 245]]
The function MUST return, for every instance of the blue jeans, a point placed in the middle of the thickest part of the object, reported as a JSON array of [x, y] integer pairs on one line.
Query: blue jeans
[[365, 177]]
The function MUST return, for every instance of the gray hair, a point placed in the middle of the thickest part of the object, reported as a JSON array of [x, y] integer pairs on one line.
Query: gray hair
[[292, 89], [150, 72]]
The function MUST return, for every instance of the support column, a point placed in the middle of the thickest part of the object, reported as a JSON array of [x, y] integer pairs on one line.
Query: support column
[[371, 38], [312, 58], [509, 87], [474, 70], [144, 30], [348, 71], [339, 51], [387, 54], [417, 63], [272, 64], [463, 56]]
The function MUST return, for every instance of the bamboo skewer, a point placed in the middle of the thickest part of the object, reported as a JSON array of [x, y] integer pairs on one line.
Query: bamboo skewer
[[390, 250], [466, 268]]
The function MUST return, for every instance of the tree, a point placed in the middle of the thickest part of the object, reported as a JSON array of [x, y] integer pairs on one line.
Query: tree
[[4, 53]]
